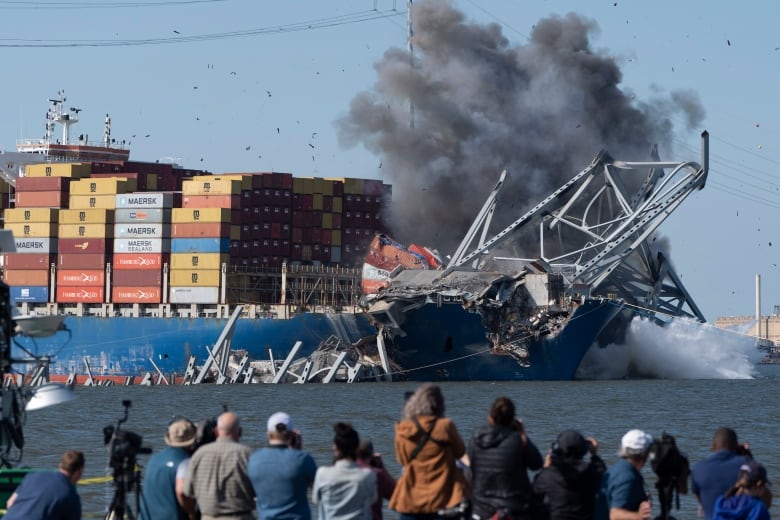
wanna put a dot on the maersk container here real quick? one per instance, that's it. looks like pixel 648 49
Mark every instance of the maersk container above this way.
pixel 194 295
pixel 144 200
pixel 142 230
pixel 36 245
pixel 32 294
pixel 200 245
pixel 142 245
pixel 135 215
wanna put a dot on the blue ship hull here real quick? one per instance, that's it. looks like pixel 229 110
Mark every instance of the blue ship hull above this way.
pixel 125 345
pixel 448 343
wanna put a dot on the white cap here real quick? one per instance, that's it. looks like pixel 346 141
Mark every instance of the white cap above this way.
pixel 279 418
pixel 635 442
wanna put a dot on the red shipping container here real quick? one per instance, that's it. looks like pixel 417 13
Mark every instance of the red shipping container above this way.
pixel 41 199
pixel 85 245
pixel 327 203
pixel 336 220
pixel 297 235
pixel 326 238
pixel 200 230
pixel 136 294
pixel 78 278
pixel 306 235
pixel 307 202
pixel 26 277
pixel 82 261
pixel 80 294
pixel 211 201
pixel 107 167
pixel 146 167
pixel 146 261
pixel 137 278
pixel 316 235
pixel 58 184
pixel 338 189
pixel 27 261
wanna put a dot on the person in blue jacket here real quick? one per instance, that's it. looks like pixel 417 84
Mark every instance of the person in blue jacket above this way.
pixel 749 498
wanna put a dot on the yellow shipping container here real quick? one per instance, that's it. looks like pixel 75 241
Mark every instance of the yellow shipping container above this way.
pixel 198 261
pixel 73 170
pixel 353 186
pixel 246 180
pixel 92 202
pixel 338 205
pixel 327 220
pixel 195 277
pixel 103 186
pixel 13 215
pixel 86 231
pixel 235 232
pixel 323 186
pixel 335 237
pixel 303 185
pixel 188 215
pixel 87 216
pixel 317 202
pixel 210 185
pixel 32 229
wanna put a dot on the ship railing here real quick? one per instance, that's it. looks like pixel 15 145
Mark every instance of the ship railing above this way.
pixel 45 144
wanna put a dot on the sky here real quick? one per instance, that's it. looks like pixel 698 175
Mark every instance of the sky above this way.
pixel 249 85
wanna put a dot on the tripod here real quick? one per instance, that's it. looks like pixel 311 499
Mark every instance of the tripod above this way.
pixel 127 482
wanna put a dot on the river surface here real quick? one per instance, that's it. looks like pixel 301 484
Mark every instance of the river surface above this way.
pixel 691 410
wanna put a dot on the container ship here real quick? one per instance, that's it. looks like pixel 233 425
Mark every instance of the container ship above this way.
pixel 147 262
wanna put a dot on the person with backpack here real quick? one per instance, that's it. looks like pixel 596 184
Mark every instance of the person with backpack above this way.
pixel 568 483
pixel 500 454
pixel 427 446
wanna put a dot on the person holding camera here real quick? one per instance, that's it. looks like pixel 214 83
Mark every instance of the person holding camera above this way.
pixel 385 483
pixel 217 477
pixel 749 498
pixel 500 454
pixel 162 495
pixel 49 494
pixel 713 476
pixel 622 495
pixel 568 484
pixel 281 473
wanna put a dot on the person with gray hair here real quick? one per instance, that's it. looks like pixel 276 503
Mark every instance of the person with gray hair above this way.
pixel 622 494
pixel 427 446
pixel 218 478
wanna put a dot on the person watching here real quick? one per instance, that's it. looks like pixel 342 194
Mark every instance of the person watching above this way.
pixel 714 475
pixel 622 495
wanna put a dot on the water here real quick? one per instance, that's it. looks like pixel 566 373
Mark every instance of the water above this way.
pixel 691 410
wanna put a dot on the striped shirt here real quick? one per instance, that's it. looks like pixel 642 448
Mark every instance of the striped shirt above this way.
pixel 218 480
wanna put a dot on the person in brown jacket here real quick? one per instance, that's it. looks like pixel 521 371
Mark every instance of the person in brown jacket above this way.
pixel 427 446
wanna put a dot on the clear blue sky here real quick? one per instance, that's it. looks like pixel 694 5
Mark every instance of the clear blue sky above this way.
pixel 268 100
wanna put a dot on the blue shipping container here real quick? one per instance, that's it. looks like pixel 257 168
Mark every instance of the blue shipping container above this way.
pixel 200 245
pixel 35 294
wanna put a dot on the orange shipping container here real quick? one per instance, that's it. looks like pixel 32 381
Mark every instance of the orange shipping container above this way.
pixel 212 201
pixel 80 294
pixel 136 295
pixel 137 278
pixel 200 230
pixel 77 278
pixel 41 199
pixel 139 261
pixel 207 185
pixel 81 261
pixel 26 277
pixel 27 261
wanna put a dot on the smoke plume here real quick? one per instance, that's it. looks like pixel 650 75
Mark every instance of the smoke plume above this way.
pixel 541 110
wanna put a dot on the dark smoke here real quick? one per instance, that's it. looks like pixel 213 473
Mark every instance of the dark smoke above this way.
pixel 541 111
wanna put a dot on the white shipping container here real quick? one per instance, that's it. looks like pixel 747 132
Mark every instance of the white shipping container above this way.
pixel 142 245
pixel 133 215
pixel 36 245
pixel 142 230
pixel 144 200
pixel 194 295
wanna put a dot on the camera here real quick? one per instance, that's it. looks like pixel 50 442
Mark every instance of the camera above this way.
pixel 123 445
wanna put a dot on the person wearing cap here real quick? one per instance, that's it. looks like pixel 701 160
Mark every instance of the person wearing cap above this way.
pixel 500 454
pixel 217 477
pixel 622 494
pixel 344 491
pixel 385 483
pixel 49 494
pixel 162 492
pixel 568 483
pixel 749 498
pixel 281 473
pixel 714 475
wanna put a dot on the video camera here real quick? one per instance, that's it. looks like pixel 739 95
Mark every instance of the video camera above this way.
pixel 123 445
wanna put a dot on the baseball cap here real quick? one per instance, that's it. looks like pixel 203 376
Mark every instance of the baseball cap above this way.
pixel 754 472
pixel 277 419
pixel 571 444
pixel 635 442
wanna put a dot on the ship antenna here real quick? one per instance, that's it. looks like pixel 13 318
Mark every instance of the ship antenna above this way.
pixel 107 132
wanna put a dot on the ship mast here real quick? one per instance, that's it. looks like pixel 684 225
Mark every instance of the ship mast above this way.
pixel 57 114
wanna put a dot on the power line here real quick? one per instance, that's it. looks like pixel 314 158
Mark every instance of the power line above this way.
pixel 25 5
pixel 321 23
